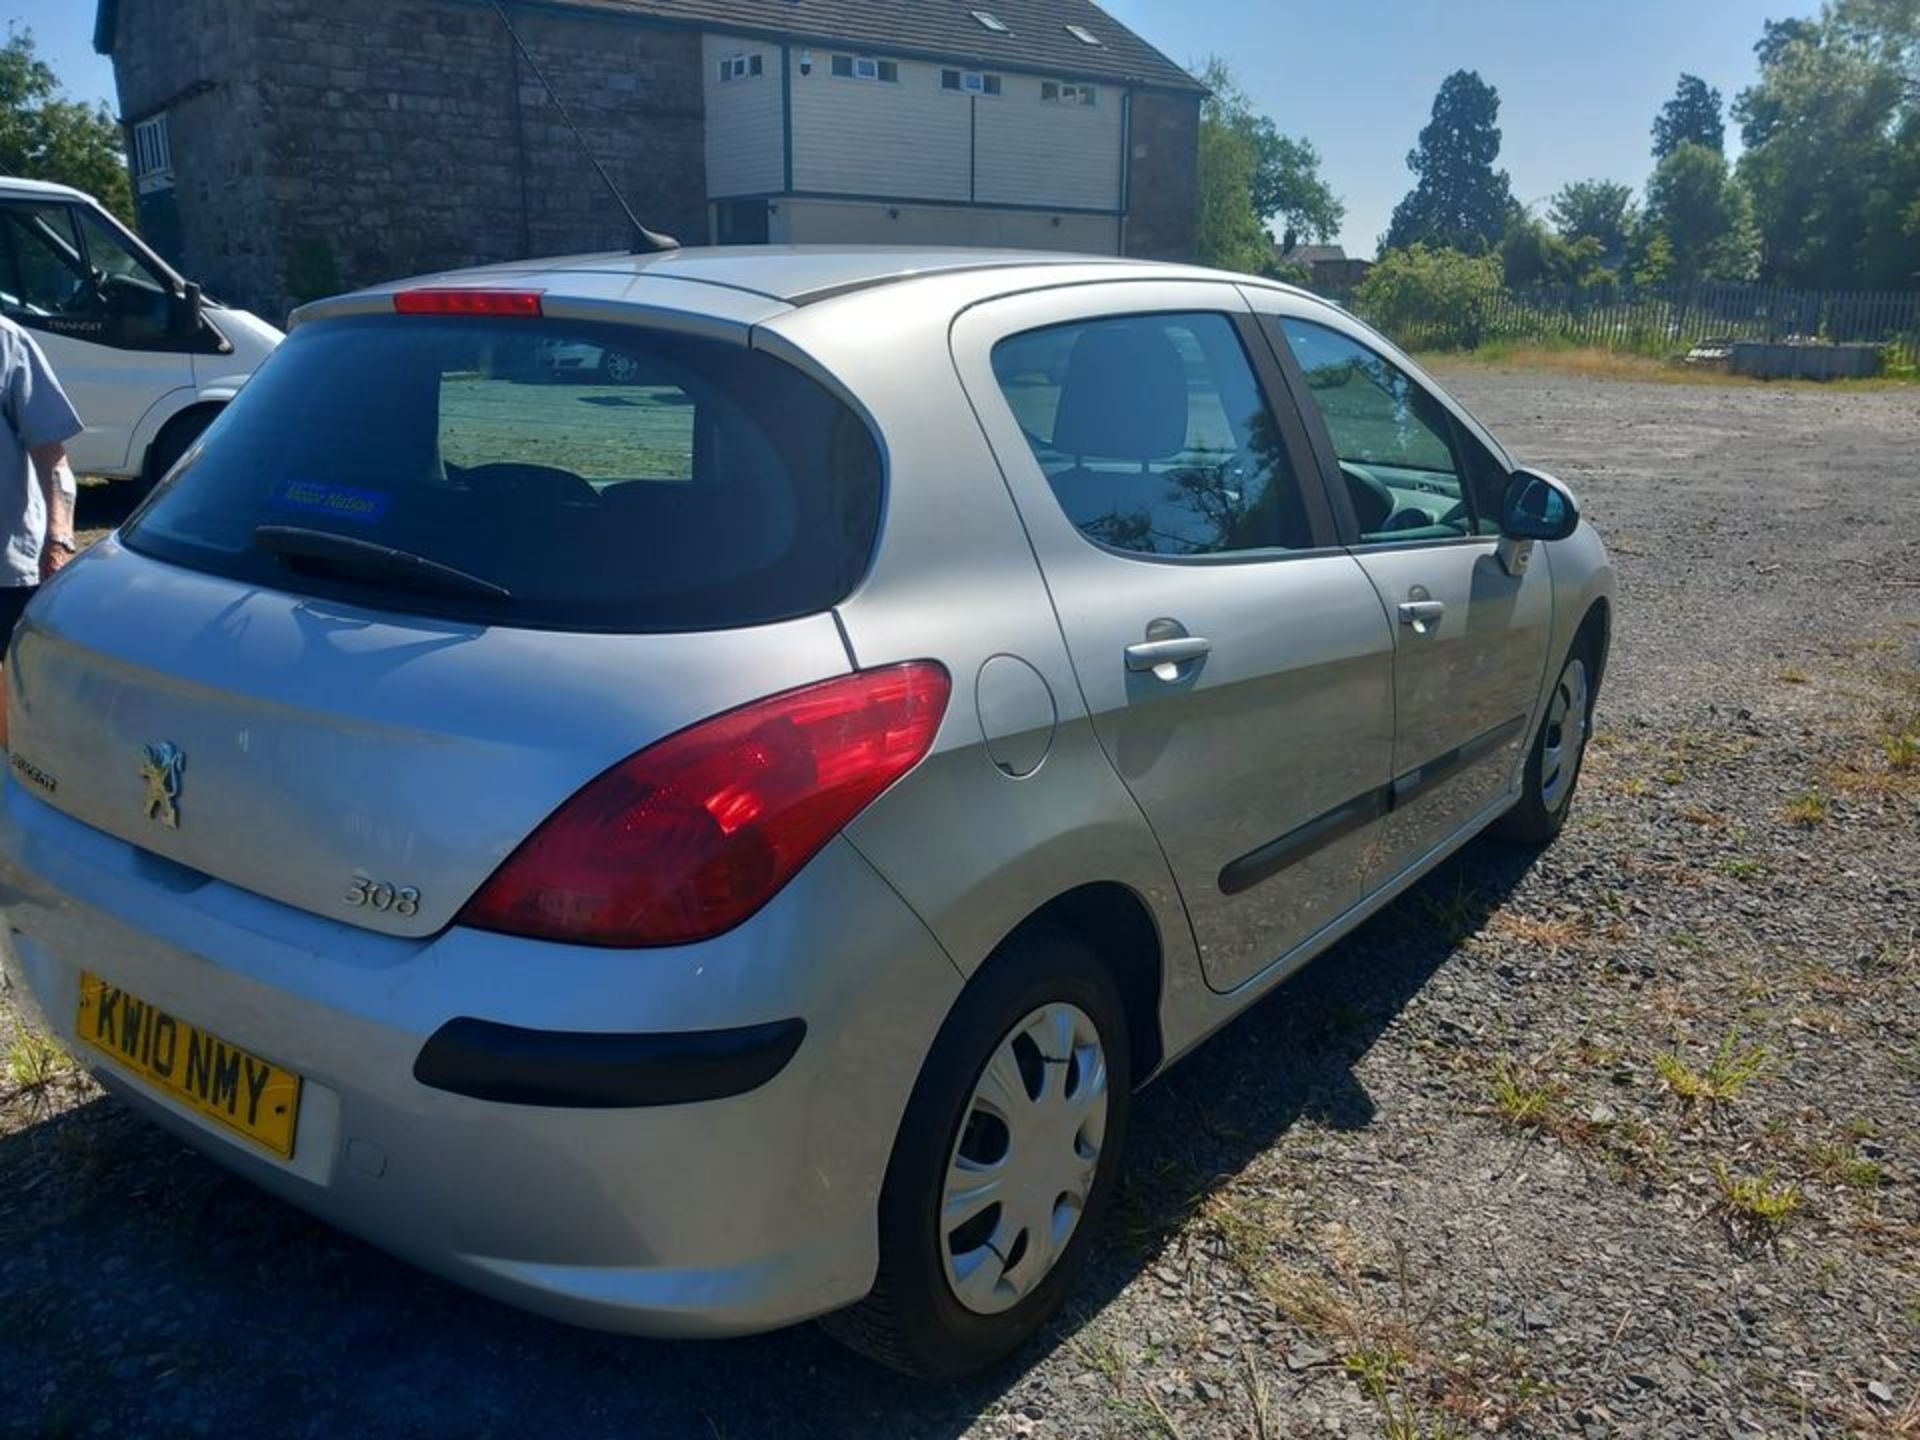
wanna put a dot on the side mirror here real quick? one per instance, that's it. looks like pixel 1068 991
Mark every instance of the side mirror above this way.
pixel 1537 507
pixel 186 310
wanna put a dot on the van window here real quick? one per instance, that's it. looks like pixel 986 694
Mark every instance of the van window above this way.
pixel 602 477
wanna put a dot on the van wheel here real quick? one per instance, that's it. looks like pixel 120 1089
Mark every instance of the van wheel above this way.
pixel 173 442
pixel 1553 764
pixel 1005 1162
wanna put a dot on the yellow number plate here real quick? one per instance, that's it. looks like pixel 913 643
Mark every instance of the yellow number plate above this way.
pixel 203 1072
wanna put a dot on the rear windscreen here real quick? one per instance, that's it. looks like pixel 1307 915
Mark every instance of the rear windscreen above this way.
pixel 565 475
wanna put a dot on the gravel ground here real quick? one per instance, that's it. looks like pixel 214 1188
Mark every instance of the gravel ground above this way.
pixel 1617 1140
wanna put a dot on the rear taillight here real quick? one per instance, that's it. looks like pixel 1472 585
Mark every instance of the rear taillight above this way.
pixel 455 300
pixel 695 833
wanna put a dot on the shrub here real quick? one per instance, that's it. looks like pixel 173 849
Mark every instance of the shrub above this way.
pixel 1430 299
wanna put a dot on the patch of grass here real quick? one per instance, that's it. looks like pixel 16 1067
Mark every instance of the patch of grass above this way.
pixel 35 1060
pixel 1720 1082
pixel 1754 1208
pixel 1840 1167
pixel 1551 934
pixel 1902 749
pixel 1457 915
pixel 1742 869
pixel 1807 810
pixel 1522 1099
pixel 1793 675
pixel 1595 363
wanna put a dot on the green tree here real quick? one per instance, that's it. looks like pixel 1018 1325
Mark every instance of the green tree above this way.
pixel 1533 254
pixel 1459 200
pixel 1831 130
pixel 1691 117
pixel 46 136
pixel 1243 150
pixel 1438 299
pixel 1602 210
pixel 1704 215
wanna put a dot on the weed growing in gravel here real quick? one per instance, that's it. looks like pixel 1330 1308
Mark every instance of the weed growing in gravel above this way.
pixel 1455 916
pixel 1523 1099
pixel 1793 675
pixel 1742 869
pixel 1807 810
pixel 1902 749
pixel 1838 1165
pixel 1754 1208
pixel 34 1061
pixel 1720 1083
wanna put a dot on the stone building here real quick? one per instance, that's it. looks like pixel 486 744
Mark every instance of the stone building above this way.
pixel 284 149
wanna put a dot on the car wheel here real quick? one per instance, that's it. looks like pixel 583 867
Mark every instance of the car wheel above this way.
pixel 618 369
pixel 1005 1162
pixel 1553 764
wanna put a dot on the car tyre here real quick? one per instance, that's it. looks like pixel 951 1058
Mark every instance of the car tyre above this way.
pixel 1559 748
pixel 953 1296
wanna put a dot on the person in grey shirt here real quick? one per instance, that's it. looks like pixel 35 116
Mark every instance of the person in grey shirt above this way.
pixel 36 483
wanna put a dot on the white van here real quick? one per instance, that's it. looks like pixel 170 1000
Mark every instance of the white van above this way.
pixel 147 360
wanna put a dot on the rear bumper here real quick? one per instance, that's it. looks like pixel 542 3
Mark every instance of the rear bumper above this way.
pixel 573 1177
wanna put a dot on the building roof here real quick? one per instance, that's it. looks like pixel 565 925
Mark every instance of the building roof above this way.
pixel 1035 37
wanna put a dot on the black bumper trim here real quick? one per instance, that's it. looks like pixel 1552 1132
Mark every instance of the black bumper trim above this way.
pixel 581 1070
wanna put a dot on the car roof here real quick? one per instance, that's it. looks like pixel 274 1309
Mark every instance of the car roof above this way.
pixel 795 274
pixel 16 185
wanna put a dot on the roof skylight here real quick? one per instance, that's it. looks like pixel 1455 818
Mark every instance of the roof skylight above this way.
pixel 1084 35
pixel 987 20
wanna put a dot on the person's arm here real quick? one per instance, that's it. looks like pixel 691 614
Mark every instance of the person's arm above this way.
pixel 57 484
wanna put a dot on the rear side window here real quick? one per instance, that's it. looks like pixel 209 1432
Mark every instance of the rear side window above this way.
pixel 1153 433
pixel 534 473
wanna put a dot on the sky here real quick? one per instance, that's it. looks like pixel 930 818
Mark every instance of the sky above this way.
pixel 1579 81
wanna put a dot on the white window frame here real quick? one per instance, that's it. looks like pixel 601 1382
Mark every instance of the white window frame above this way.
pixel 971 82
pixel 864 67
pixel 152 157
pixel 1072 93
pixel 742 67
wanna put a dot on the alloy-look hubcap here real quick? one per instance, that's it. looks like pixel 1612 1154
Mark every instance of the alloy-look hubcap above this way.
pixel 1566 734
pixel 1023 1165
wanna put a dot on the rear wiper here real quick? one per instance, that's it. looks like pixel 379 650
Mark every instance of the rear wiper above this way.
pixel 349 555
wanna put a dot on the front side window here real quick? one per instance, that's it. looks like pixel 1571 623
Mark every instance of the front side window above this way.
pixel 971 82
pixel 1060 92
pixel 66 270
pixel 865 67
pixel 137 301
pixel 1154 436
pixel 549 474
pixel 1400 462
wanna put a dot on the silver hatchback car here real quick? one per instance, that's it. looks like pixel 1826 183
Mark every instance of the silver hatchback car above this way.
pixel 697 853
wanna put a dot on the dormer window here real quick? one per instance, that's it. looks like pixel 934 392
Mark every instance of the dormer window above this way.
pixel 1084 36
pixel 987 20
pixel 1064 92
pixel 970 82
pixel 741 67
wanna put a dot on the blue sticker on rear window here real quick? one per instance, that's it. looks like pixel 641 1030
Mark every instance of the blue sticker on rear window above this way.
pixel 342 502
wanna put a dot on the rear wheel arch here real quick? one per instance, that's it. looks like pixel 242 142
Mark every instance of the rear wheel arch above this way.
pixel 1115 924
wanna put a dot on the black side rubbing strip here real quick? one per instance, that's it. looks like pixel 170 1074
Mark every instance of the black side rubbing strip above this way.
pixel 592 1071
pixel 1297 844
pixel 1445 766
pixel 1321 831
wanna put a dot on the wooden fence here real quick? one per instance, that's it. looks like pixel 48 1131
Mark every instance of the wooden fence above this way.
pixel 1665 319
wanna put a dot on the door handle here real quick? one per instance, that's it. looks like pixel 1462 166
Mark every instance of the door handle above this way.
pixel 1422 615
pixel 1155 654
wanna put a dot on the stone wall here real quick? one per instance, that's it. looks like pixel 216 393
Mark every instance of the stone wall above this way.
pixel 1163 141
pixel 384 138
pixel 194 59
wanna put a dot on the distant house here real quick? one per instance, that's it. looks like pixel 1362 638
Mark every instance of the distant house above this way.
pixel 1329 265
pixel 283 148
